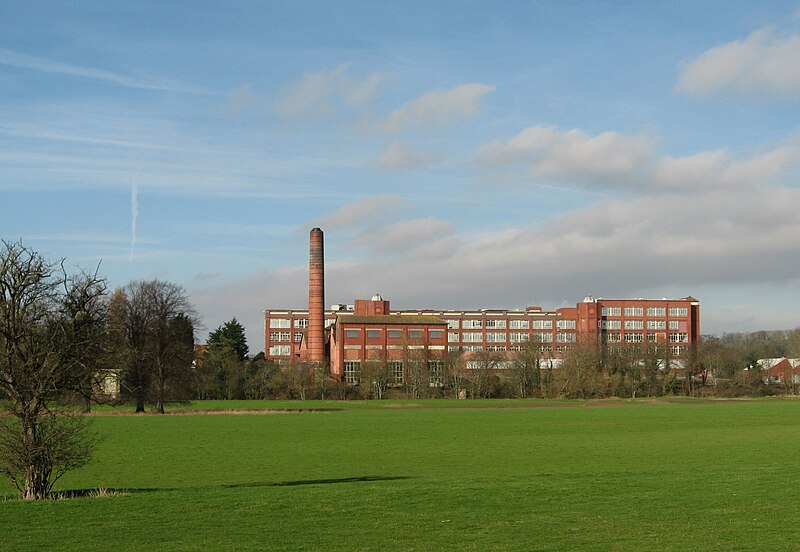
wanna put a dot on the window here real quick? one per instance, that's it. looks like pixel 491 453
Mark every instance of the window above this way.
pixel 656 311
pixel 352 372
pixel 518 337
pixel 496 324
pixel 680 312
pixel 472 324
pixel 415 334
pixel 518 324
pixel 634 324
pixel 394 334
pixel 652 337
pixel 280 350
pixel 634 338
pixel 656 324
pixel 612 324
pixel 452 324
pixel 301 322
pixel 472 348
pixel 565 324
pixel 373 334
pixel 542 324
pixel 613 337
pixel 436 372
pixel 678 338
pixel 495 337
pixel 279 336
pixel 352 333
pixel 396 371
pixel 435 334
pixel 298 337
pixel 495 347
pixel 565 337
pixel 634 311
pixel 452 337
pixel 611 311
pixel 673 325
pixel 472 337
pixel 542 337
pixel 279 323
pixel 676 350
pixel 545 348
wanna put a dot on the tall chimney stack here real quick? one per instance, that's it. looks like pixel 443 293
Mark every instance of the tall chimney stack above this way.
pixel 316 298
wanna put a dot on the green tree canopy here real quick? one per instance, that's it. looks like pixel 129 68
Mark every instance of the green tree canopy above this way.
pixel 229 335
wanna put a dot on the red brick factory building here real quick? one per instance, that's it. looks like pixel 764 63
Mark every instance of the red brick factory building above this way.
pixel 349 335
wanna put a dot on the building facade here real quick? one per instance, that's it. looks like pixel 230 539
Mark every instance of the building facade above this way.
pixel 348 336
pixel 355 334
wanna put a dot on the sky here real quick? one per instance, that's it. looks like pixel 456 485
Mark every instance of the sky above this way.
pixel 457 155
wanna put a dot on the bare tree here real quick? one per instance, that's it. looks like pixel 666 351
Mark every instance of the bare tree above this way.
pixel 377 374
pixel 156 324
pixel 481 366
pixel 45 351
pixel 581 371
pixel 526 371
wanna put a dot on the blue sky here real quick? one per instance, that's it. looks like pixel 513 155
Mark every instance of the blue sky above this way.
pixel 457 154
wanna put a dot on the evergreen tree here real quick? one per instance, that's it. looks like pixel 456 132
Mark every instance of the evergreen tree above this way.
pixel 229 335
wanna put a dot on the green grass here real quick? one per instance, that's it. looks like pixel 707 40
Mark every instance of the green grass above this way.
pixel 432 475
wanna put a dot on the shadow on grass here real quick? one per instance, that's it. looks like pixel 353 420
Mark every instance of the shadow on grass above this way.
pixel 106 492
pixel 296 483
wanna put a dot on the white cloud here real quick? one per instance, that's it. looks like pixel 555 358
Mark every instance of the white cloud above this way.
pixel 321 94
pixel 361 212
pixel 715 169
pixel 614 161
pixel 652 245
pixel 404 236
pixel 762 64
pixel 399 156
pixel 437 109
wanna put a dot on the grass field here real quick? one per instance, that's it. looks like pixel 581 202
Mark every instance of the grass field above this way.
pixel 434 475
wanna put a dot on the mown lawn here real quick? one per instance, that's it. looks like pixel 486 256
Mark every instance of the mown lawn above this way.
pixel 432 475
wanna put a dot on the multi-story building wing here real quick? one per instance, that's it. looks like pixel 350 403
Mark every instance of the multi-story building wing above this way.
pixel 368 330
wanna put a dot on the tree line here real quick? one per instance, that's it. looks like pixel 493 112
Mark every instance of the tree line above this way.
pixel 64 340
pixel 66 344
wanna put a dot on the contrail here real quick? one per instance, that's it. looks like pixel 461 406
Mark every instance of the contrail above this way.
pixel 134 215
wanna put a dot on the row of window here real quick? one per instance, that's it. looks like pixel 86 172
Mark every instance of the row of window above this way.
pixel 674 350
pixel 352 371
pixel 501 324
pixel 638 337
pixel 676 312
pixel 300 323
pixel 355 333
pixel 513 337
pixel 639 324
pixel 297 337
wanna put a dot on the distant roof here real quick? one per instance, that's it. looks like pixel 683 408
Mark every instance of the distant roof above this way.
pixel 390 319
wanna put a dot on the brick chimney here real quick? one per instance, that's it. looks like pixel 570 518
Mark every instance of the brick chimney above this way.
pixel 316 298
